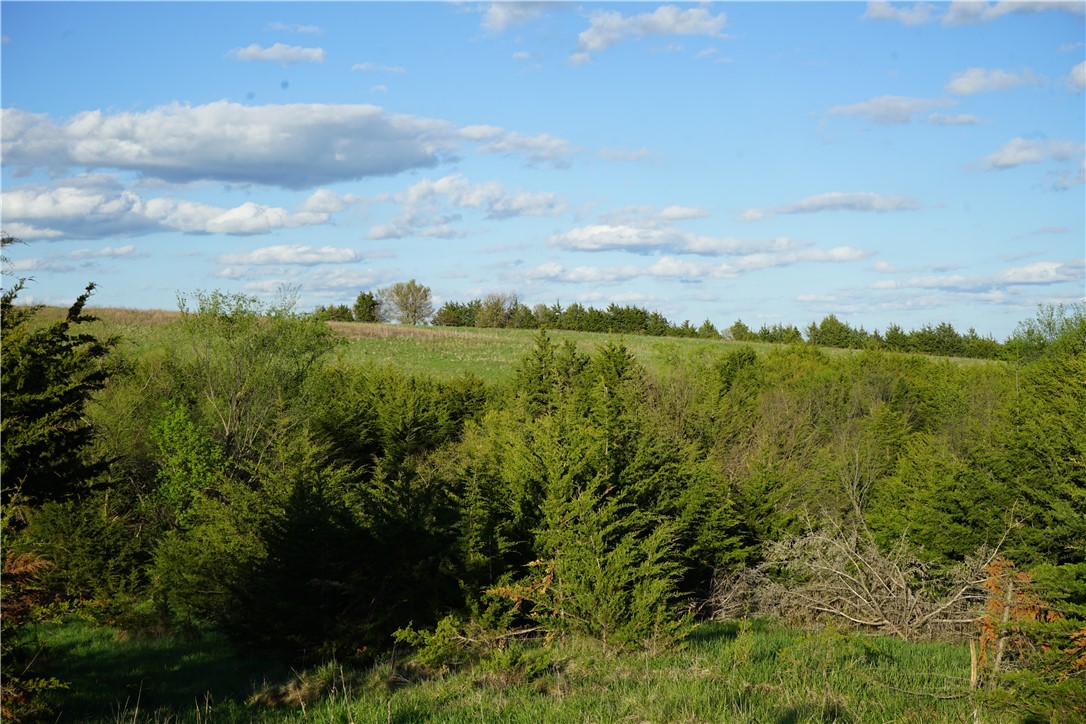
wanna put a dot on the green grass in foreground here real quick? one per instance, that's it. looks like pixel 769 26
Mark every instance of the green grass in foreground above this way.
pixel 729 673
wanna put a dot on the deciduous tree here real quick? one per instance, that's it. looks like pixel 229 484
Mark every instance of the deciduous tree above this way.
pixel 407 302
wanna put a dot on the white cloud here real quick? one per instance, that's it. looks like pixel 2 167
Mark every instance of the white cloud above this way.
pixel 500 16
pixel 886 110
pixel 422 212
pixel 522 55
pixel 1077 78
pixel 670 267
pixel 292 254
pixel 539 148
pixel 917 14
pixel 623 154
pixel 94 206
pixel 981 80
pixel 1020 151
pixel 326 201
pixel 970 12
pixel 374 67
pixel 379 88
pixel 106 252
pixel 82 258
pixel 1041 273
pixel 609 27
pixel 295 28
pixel 676 213
pixel 279 53
pixel 481 132
pixel 963 119
pixel 290 145
pixel 652 237
pixel 835 201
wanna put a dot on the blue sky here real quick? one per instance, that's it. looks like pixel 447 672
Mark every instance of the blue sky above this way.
pixel 775 162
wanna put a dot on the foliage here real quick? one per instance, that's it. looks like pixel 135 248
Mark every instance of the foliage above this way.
pixel 190 465
pixel 94 550
pixel 1031 656
pixel 309 505
pixel 1055 328
pixel 333 313
pixel 497 310
pixel 50 372
pixel 241 365
pixel 24 598
pixel 367 307
pixel 406 302
pixel 455 314
pixel 832 332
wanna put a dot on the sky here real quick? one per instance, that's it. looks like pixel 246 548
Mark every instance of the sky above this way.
pixel 908 163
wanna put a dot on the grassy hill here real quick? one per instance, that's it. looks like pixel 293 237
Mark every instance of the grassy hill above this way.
pixel 447 351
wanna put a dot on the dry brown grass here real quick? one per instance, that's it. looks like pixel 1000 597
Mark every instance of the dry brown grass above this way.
pixel 124 316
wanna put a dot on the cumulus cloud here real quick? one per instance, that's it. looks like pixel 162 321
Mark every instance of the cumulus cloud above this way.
pixel 963 12
pixel 963 119
pixel 290 145
pixel 1077 77
pixel 981 80
pixel 676 213
pixel 292 254
pixel 971 12
pixel 917 14
pixel 279 53
pixel 1041 273
pixel 94 206
pixel 295 28
pixel 666 267
pixel 648 237
pixel 481 132
pixel 326 201
pixel 80 258
pixel 671 267
pixel 1020 151
pixel 835 201
pixel 541 148
pixel 607 28
pixel 423 206
pixel 500 16
pixel 886 110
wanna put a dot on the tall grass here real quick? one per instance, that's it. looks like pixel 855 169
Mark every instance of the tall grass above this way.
pixel 749 672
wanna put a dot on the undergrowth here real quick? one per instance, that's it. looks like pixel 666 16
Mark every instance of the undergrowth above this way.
pixel 751 671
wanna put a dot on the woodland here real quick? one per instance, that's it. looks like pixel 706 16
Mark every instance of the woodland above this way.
pixel 231 472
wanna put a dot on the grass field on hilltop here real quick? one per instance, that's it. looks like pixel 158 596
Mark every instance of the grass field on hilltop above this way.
pixel 493 353
pixel 443 351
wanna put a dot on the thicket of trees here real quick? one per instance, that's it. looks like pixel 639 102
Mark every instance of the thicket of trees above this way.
pixel 233 477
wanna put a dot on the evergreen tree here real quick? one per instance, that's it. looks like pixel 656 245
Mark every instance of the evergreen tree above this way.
pixel 367 308
pixel 50 372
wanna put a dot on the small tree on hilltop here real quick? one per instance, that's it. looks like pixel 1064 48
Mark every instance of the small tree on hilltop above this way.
pixel 407 302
